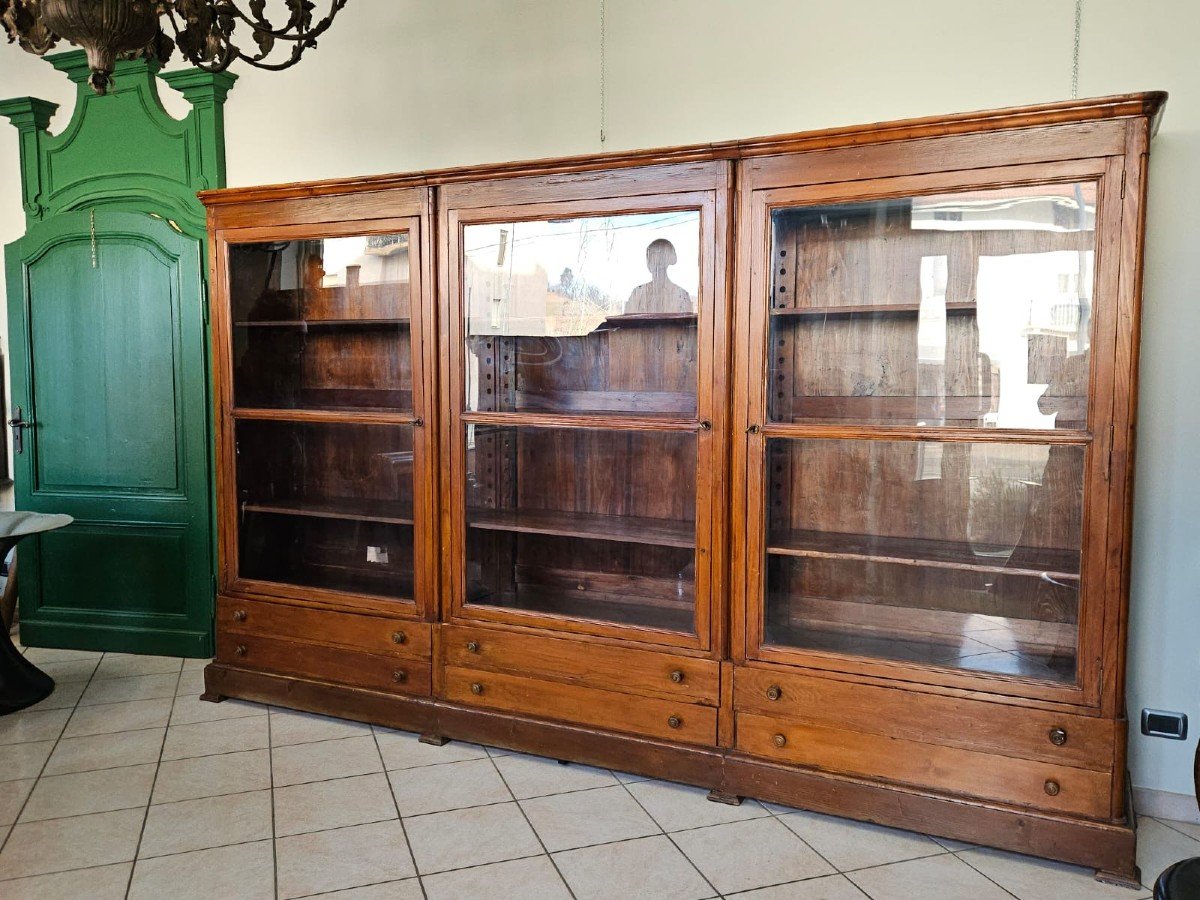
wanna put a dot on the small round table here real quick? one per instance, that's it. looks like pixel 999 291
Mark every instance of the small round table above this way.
pixel 22 683
pixel 1182 880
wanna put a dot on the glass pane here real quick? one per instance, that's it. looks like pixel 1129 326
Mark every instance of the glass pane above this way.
pixel 587 315
pixel 587 523
pixel 968 309
pixel 950 554
pixel 327 505
pixel 322 324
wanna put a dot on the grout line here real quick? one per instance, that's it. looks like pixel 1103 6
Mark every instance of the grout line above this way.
pixel 985 875
pixel 691 862
pixel 525 816
pixel 396 805
pixel 1169 823
pixel 274 828
pixel 153 783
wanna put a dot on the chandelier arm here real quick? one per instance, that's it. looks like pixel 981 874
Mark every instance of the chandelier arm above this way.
pixel 284 33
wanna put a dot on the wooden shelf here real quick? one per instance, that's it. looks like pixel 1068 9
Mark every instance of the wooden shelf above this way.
pixel 651 318
pixel 1035 562
pixel 875 309
pixel 324 323
pixel 621 529
pixel 387 511
pixel 643 612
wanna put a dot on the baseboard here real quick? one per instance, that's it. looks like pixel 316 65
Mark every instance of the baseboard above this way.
pixel 1166 805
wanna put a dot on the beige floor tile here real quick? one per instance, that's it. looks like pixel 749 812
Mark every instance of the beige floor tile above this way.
pixel 452 786
pixel 408 889
pixel 124 665
pixel 629 778
pixel 1159 846
pixel 212 776
pixel 739 856
pixel 321 805
pixel 520 879
pixel 536 776
pixel 830 887
pixel 81 793
pixel 39 655
pixel 646 867
pixel 470 837
pixel 70 672
pixel 241 872
pixel 678 806
pixel 950 843
pixel 18 761
pixel 944 877
pixel 138 687
pixel 196 664
pixel 13 795
pixel 33 725
pixel 210 738
pixel 403 750
pixel 567 821
pixel 64 696
pixel 191 683
pixel 101 883
pixel 36 848
pixel 203 824
pixel 190 710
pixel 1039 879
pixel 856 845
pixel 342 858
pixel 289 727
pixel 112 717
pixel 105 751
pixel 321 761
pixel 1191 829
pixel 498 751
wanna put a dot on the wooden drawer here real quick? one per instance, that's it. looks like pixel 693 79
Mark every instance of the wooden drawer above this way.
pixel 371 634
pixel 378 671
pixel 1018 731
pixel 641 672
pixel 949 770
pixel 670 720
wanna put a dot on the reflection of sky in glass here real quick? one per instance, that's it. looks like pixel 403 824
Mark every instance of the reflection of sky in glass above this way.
pixel 606 254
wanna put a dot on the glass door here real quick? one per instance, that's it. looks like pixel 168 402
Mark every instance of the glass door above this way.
pixel 326 384
pixel 921 452
pixel 582 429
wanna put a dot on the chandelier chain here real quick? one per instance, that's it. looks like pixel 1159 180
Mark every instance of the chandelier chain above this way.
pixel 603 69
pixel 92 232
pixel 1075 50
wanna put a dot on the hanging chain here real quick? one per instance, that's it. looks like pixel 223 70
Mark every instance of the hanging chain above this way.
pixel 1075 52
pixel 92 229
pixel 603 68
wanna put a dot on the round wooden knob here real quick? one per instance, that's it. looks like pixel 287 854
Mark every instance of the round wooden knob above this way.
pixel 239 615
pixel 779 740
pixel 677 676
pixel 1058 736
pixel 472 646
pixel 239 650
pixel 1052 787
pixel 476 688
pixel 674 721
pixel 399 637
pixel 399 676
pixel 774 692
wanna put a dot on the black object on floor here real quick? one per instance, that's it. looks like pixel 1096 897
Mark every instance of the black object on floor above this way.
pixel 1179 882
pixel 22 683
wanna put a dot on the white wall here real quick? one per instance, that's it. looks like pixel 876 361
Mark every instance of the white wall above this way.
pixel 407 84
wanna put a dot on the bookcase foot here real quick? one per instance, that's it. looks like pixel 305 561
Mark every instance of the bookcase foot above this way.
pixel 434 740
pixel 723 797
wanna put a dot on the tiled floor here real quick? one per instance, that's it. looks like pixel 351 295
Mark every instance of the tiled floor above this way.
pixel 124 784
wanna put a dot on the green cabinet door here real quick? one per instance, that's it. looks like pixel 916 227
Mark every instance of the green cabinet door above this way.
pixel 108 338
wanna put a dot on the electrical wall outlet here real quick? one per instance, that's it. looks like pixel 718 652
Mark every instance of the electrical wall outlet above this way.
pixel 1160 723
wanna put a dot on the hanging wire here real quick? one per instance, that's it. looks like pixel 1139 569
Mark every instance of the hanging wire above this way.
pixel 92 230
pixel 1075 52
pixel 603 68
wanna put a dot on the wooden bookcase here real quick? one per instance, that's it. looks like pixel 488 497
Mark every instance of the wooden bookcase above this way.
pixel 796 468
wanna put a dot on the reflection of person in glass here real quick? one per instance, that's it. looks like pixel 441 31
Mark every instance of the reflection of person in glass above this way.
pixel 660 294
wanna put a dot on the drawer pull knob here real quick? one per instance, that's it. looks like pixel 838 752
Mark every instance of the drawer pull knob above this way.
pixel 677 676
pixel 675 721
pixel 1052 787
pixel 399 676
pixel 472 646
pixel 774 692
pixel 239 650
pixel 476 687
pixel 399 637
pixel 239 615
pixel 779 740
pixel 1058 736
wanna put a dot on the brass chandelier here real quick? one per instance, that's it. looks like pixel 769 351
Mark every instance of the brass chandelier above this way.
pixel 202 30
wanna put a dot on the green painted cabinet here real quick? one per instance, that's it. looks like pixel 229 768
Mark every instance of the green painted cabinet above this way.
pixel 108 343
